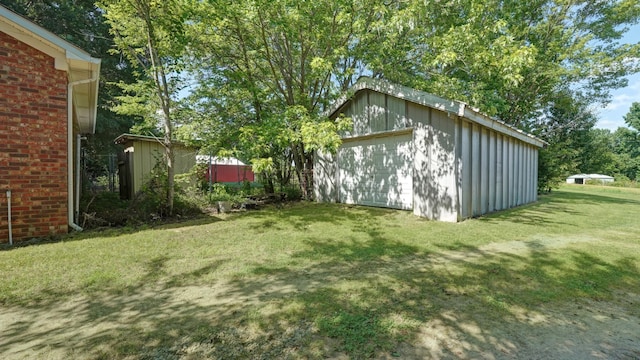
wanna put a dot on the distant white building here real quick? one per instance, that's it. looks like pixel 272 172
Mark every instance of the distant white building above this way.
pixel 583 178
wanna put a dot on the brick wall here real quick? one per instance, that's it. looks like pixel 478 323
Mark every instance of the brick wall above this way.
pixel 33 141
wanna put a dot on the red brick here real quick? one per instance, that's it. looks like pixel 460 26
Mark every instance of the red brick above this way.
pixel 33 122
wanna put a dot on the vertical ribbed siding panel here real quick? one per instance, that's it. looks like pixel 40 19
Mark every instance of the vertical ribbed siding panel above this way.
pixel 517 185
pixel 484 170
pixel 377 109
pixel 397 116
pixel 525 168
pixel 467 190
pixel 532 165
pixel 492 171
pixel 529 174
pixel 535 175
pixel 458 166
pixel 359 114
pixel 505 172
pixel 521 164
pixel 516 180
pixel 526 176
pixel 475 170
pixel 520 183
pixel 512 201
pixel 499 175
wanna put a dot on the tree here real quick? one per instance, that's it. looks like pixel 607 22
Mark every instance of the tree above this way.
pixel 511 58
pixel 627 144
pixel 151 34
pixel 269 70
pixel 569 134
pixel 597 154
pixel 633 116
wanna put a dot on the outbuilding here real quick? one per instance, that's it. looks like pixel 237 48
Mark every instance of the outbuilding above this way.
pixel 412 150
pixel 48 101
pixel 141 154
pixel 583 178
pixel 226 169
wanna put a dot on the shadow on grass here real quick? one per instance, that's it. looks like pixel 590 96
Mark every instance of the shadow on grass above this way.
pixel 371 296
pixel 544 212
pixel 108 232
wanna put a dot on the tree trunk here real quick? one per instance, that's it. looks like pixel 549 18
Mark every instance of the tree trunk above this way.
pixel 168 147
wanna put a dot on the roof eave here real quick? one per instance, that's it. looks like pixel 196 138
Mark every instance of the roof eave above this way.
pixel 81 67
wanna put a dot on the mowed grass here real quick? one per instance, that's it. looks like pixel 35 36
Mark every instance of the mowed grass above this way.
pixel 311 280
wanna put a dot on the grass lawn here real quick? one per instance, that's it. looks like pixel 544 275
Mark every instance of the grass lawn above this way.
pixel 313 280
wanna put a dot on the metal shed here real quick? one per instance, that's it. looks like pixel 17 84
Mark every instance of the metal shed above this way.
pixel 140 156
pixel 416 151
pixel 226 169
pixel 583 178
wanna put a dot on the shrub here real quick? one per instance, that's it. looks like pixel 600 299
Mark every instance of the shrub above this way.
pixel 292 192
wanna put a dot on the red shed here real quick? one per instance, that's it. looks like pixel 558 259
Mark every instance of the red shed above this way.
pixel 223 170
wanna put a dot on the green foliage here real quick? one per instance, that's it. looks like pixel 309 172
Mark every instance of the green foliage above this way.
pixel 508 58
pixel 270 69
pixel 265 71
pixel 292 193
pixel 152 36
pixel 623 181
pixel 568 132
pixel 103 209
pixel 633 116
pixel 221 192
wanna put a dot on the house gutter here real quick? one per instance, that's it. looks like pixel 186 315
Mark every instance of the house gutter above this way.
pixel 70 165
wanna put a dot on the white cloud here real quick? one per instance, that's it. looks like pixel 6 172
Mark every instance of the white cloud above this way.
pixel 619 101
pixel 612 116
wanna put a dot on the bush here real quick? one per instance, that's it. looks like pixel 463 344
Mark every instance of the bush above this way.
pixel 623 181
pixel 103 209
pixel 292 192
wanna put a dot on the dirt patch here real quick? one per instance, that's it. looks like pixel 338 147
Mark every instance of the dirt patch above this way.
pixel 592 330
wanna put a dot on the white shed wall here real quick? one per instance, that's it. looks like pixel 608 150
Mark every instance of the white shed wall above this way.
pixel 325 177
pixel 497 171
pixel 459 168
pixel 435 188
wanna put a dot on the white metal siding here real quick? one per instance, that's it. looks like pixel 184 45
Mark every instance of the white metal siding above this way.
pixel 435 164
pixel 475 170
pixel 324 175
pixel 377 112
pixel 450 166
pixel 397 113
pixel 492 171
pixel 377 172
pixel 466 209
pixel 497 171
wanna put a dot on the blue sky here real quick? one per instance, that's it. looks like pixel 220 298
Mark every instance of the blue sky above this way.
pixel 611 116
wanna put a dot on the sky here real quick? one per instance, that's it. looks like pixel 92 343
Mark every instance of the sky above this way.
pixel 611 117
